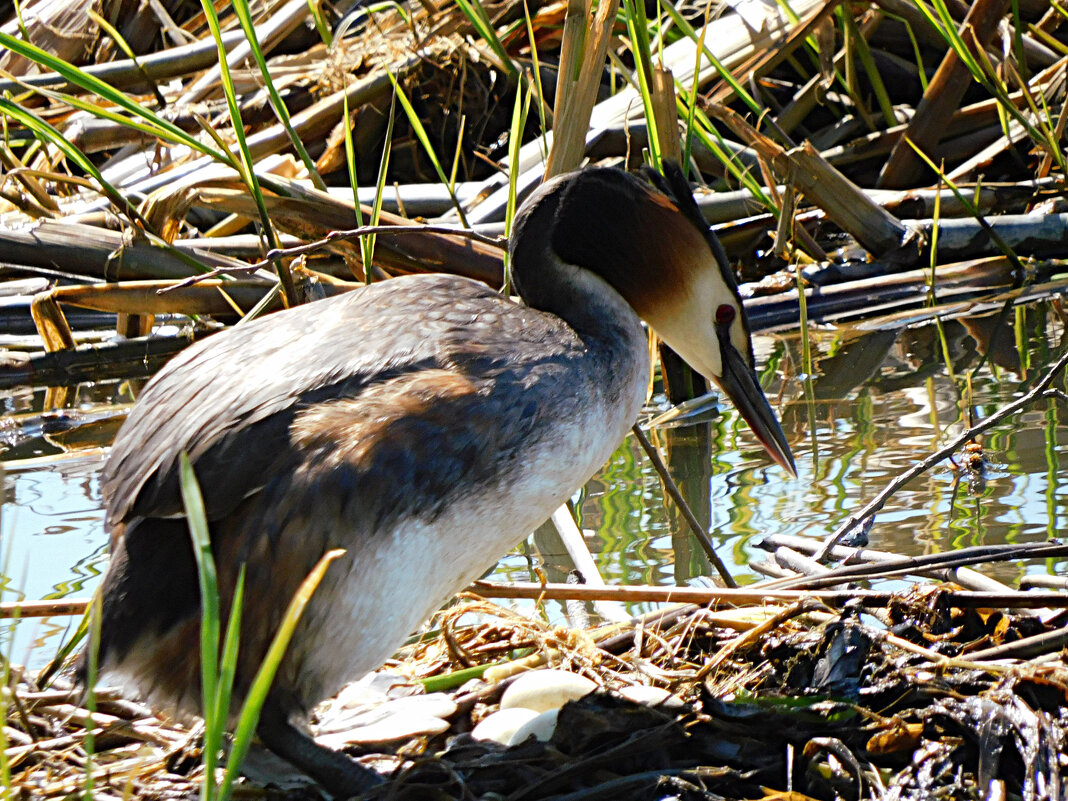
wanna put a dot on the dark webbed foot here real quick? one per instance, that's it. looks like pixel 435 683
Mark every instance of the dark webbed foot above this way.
pixel 338 774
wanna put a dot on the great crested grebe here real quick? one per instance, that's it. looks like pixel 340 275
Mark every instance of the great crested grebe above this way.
pixel 425 424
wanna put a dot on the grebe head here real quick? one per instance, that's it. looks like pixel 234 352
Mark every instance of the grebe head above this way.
pixel 649 242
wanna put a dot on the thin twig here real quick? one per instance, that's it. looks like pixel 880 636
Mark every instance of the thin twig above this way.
pixel 733 597
pixel 329 239
pixel 213 273
pixel 962 557
pixel 676 496
pixel 20 609
pixel 365 230
pixel 877 503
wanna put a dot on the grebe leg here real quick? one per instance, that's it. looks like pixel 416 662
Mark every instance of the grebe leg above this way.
pixel 339 774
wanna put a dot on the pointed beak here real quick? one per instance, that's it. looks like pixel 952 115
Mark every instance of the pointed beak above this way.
pixel 740 383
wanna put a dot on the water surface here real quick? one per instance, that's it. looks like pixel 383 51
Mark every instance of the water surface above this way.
pixel 878 401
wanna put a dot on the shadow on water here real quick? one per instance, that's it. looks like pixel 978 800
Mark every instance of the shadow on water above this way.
pixel 882 398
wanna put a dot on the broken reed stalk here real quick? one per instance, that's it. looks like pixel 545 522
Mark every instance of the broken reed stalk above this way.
pixel 724 597
pixel 911 564
pixel 644 593
pixel 684 508
pixel 877 503
pixel 583 53
pixel 331 238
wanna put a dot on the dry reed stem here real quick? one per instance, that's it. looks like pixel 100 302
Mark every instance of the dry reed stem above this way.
pixel 943 95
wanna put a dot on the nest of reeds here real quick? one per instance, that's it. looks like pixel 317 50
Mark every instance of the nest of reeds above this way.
pixel 908 700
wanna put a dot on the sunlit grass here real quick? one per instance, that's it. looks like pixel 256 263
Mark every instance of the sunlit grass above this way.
pixel 1042 130
pixel 244 17
pixel 218 672
pixel 142 119
pixel 246 166
pixel 424 139
pixel 367 242
pixel 638 29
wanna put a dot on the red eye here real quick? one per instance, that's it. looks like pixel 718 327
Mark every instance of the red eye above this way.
pixel 725 314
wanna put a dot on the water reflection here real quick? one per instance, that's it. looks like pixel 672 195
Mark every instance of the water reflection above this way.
pixel 879 400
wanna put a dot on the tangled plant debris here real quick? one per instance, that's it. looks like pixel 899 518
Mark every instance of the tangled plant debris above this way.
pixel 891 702
pixel 920 124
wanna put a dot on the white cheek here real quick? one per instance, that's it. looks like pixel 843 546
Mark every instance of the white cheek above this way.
pixel 688 326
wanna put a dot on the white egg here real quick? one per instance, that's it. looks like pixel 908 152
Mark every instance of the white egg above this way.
pixel 651 696
pixel 542 690
pixel 540 727
pixel 501 726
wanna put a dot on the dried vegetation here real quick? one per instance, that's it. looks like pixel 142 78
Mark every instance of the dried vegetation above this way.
pixel 889 154
pixel 912 700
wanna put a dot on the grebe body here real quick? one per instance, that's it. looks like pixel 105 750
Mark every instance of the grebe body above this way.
pixel 425 425
pixel 426 466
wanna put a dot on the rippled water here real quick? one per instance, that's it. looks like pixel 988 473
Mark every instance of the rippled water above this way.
pixel 879 401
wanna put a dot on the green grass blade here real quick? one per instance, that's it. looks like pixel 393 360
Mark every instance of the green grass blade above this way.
pixel 350 164
pixel 368 242
pixel 249 173
pixel 973 210
pixel 637 27
pixel 228 662
pixel 936 226
pixel 983 73
pixel 476 15
pixel 5 764
pixel 165 130
pixel 111 31
pixel 459 149
pixel 55 664
pixel 860 45
pixel 21 21
pixel 691 103
pixel 1018 27
pixel 537 89
pixel 1045 38
pixel 515 135
pixel 101 112
pixel 710 137
pixel 262 305
pixel 91 675
pixel 424 140
pixel 244 17
pixel 921 71
pixel 45 132
pixel 261 685
pixel 193 502
pixel 515 142
pixel 315 7
pixel 699 39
